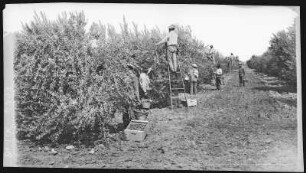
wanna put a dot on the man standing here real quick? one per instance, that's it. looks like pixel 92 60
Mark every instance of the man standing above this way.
pixel 218 76
pixel 194 74
pixel 171 43
pixel 230 62
pixel 241 75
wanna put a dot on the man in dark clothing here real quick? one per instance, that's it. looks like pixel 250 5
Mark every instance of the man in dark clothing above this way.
pixel 241 75
pixel 134 92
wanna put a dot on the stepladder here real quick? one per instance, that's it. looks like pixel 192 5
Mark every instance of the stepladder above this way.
pixel 176 86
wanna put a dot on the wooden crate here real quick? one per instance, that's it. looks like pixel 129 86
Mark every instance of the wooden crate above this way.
pixel 136 135
pixel 191 102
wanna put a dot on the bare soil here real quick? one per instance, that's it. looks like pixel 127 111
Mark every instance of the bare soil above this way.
pixel 251 128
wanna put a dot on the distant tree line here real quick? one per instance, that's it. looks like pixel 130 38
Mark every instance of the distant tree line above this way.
pixel 280 58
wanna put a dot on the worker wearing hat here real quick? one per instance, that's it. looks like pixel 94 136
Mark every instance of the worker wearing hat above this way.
pixel 218 73
pixel 241 75
pixel 230 61
pixel 171 42
pixel 194 74
pixel 211 54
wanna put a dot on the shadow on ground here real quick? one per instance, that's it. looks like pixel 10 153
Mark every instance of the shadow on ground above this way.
pixel 281 89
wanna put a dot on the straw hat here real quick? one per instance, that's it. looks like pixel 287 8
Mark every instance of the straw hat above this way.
pixel 171 27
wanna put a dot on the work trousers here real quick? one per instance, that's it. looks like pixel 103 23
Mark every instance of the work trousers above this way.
pixel 241 81
pixel 172 59
pixel 187 87
pixel 218 82
pixel 193 87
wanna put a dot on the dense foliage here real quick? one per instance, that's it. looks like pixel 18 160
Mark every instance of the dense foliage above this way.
pixel 70 83
pixel 280 59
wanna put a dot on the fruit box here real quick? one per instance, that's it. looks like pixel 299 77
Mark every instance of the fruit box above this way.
pixel 191 102
pixel 136 130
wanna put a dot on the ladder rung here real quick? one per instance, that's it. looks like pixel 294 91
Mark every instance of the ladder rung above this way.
pixel 160 80
pixel 176 80
pixel 175 97
pixel 177 88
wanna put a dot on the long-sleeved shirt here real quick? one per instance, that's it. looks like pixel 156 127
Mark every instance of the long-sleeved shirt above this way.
pixel 194 74
pixel 219 72
pixel 170 39
pixel 144 81
pixel 241 72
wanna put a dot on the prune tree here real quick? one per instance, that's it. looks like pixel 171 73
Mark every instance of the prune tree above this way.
pixel 69 82
pixel 280 59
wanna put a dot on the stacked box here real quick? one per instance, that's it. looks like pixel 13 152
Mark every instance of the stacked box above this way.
pixel 137 130
pixel 191 102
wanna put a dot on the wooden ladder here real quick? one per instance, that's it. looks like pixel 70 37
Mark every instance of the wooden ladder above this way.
pixel 178 81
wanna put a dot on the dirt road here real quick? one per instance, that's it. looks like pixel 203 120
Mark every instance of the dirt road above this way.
pixel 250 128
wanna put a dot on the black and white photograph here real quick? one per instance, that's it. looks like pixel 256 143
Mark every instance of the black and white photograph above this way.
pixel 128 86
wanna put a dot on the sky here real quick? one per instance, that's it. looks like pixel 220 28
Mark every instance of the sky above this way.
pixel 241 30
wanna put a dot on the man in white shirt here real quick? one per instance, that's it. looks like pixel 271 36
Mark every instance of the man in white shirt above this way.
pixel 144 80
pixel 218 76
pixel 171 41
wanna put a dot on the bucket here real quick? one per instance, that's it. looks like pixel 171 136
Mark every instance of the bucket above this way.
pixel 141 114
pixel 146 103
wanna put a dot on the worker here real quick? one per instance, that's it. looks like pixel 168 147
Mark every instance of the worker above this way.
pixel 230 62
pixel 134 92
pixel 241 75
pixel 133 78
pixel 187 83
pixel 144 80
pixel 171 44
pixel 211 54
pixel 194 74
pixel 218 76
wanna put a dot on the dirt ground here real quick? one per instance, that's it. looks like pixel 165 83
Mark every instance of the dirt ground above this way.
pixel 251 128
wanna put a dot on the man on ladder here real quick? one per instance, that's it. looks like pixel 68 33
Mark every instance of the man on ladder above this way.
pixel 211 56
pixel 171 43
pixel 172 49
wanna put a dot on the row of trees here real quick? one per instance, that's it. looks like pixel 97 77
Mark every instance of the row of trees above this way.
pixel 70 83
pixel 280 58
